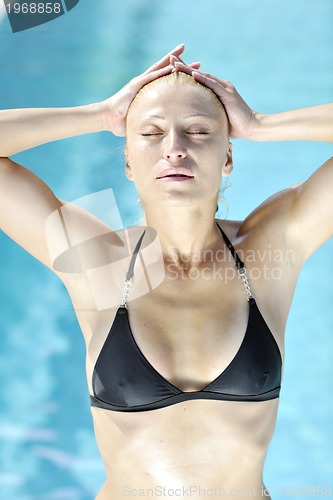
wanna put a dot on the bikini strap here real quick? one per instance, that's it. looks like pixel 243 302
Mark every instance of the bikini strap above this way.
pixel 239 264
pixel 130 272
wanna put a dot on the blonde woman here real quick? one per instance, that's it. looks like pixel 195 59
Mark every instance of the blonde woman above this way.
pixel 184 377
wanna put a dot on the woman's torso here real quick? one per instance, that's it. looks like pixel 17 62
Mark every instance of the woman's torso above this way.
pixel 190 328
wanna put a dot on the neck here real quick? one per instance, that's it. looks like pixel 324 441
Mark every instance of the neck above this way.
pixel 184 233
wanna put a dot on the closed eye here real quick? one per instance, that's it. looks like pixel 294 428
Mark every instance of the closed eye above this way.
pixel 198 133
pixel 149 135
pixel 152 134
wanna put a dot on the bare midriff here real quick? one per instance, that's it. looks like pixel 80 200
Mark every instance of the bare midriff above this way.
pixel 193 449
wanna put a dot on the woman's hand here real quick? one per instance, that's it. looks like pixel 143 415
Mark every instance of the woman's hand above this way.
pixel 242 119
pixel 116 107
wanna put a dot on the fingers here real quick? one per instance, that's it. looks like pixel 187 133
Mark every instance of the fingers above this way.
pixel 155 72
pixel 207 79
pixel 202 77
pixel 152 75
pixel 165 61
pixel 174 60
pixel 180 66
pixel 195 65
pixel 166 65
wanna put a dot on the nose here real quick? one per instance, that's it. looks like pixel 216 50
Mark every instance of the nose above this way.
pixel 174 149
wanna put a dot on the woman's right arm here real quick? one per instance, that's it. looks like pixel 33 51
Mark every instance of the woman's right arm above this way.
pixel 22 129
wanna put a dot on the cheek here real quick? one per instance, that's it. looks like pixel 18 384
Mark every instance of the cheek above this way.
pixel 140 156
pixel 218 156
pixel 133 160
pixel 137 167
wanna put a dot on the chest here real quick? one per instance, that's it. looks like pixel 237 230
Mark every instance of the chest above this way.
pixel 189 328
pixel 189 332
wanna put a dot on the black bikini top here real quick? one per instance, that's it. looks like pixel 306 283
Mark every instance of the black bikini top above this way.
pixel 124 380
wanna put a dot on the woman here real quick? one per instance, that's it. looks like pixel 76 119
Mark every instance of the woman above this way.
pixel 184 376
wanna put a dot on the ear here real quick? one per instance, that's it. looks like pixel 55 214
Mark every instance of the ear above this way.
pixel 228 166
pixel 128 170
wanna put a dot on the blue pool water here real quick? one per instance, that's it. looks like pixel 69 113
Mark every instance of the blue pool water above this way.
pixel 279 55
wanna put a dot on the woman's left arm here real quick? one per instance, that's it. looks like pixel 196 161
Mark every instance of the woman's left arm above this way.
pixel 310 204
pixel 307 124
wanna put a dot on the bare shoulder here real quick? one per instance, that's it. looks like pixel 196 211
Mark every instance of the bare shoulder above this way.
pixel 63 236
pixel 25 203
pixel 291 215
pixel 268 221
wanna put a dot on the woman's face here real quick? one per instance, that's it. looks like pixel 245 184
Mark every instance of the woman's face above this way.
pixel 177 145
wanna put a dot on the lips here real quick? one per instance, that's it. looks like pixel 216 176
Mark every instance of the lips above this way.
pixel 179 173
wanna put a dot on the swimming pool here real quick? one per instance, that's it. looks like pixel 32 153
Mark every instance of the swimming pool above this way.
pixel 279 56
